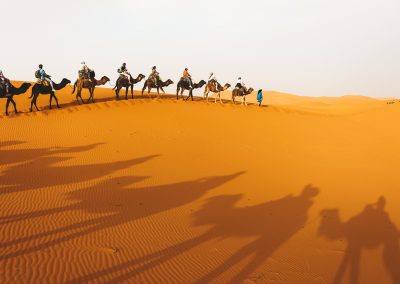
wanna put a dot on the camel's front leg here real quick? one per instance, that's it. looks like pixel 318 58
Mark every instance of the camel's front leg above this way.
pixel 32 102
pixel 35 102
pixel 126 93
pixel 79 96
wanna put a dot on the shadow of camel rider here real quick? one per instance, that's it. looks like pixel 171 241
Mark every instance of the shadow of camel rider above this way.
pixel 367 230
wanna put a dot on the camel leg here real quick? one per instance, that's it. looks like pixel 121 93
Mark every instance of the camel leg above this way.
pixel 32 103
pixel 219 96
pixel 144 88
pixel 7 104
pixel 177 92
pixel 14 104
pixel 117 93
pixel 126 94
pixel 91 91
pixel 35 103
pixel 55 98
pixel 51 98
pixel 132 90
pixel 158 93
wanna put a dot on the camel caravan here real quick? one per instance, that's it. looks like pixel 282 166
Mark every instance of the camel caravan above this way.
pixel 87 80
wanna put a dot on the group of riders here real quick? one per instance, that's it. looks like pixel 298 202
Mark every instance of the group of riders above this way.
pixel 84 73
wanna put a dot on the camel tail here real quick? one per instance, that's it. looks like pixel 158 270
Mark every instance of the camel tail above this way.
pixel 144 87
pixel 73 91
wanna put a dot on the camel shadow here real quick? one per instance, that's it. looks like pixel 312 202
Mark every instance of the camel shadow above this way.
pixel 117 201
pixel 367 230
pixel 46 169
pixel 271 223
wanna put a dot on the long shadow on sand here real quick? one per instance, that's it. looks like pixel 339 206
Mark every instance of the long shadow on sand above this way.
pixel 272 223
pixel 367 230
pixel 118 201
pixel 30 169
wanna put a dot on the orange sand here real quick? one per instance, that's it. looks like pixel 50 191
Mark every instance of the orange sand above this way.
pixel 159 190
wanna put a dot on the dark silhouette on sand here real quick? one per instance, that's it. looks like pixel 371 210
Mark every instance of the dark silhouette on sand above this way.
pixel 272 223
pixel 367 230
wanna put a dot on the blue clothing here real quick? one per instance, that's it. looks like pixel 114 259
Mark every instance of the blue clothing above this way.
pixel 42 74
pixel 259 97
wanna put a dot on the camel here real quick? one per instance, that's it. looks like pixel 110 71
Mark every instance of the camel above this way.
pixel 13 92
pixel 241 93
pixel 149 84
pixel 46 90
pixel 184 85
pixel 83 83
pixel 123 82
pixel 217 90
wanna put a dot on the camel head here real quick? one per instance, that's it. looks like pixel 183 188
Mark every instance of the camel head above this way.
pixel 202 83
pixel 26 86
pixel 250 90
pixel 65 81
pixel 104 79
pixel 168 82
pixel 140 77
pixel 227 86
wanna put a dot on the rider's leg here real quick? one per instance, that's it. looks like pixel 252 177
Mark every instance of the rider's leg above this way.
pixel 50 83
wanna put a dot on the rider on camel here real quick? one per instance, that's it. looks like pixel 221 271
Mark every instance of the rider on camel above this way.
pixel 4 82
pixel 123 72
pixel 84 72
pixel 187 77
pixel 241 85
pixel 212 80
pixel 155 76
pixel 42 77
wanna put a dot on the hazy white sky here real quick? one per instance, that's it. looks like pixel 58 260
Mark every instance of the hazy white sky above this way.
pixel 307 47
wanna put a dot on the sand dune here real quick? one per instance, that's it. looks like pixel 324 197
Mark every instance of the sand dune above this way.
pixel 301 190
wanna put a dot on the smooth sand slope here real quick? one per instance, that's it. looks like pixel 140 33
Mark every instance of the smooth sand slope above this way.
pixel 305 190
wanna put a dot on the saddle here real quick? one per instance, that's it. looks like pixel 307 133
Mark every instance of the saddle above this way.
pixel 43 82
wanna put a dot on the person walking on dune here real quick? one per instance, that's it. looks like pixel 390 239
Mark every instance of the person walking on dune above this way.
pixel 5 84
pixel 43 78
pixel 259 97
